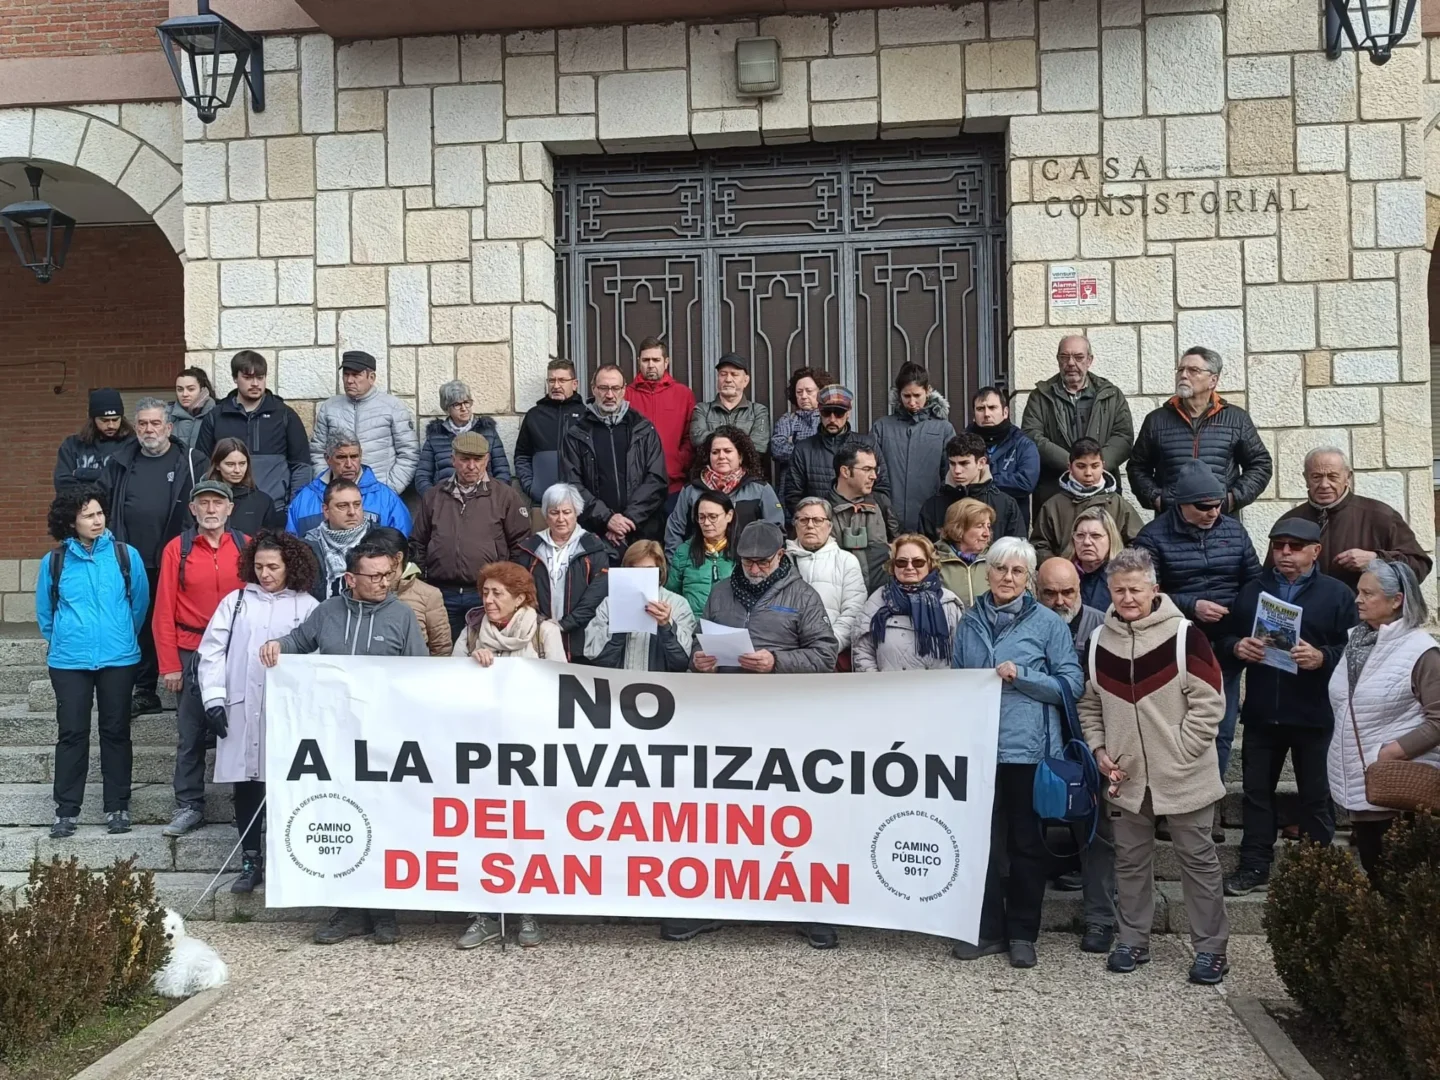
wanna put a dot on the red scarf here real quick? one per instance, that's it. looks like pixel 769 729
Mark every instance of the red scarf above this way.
pixel 715 482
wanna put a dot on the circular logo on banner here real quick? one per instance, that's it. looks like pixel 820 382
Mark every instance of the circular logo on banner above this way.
pixel 915 855
pixel 328 836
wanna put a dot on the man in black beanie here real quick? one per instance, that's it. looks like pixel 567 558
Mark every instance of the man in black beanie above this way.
pixel 84 455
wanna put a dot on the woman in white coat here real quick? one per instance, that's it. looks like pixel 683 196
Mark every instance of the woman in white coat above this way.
pixel 278 570
pixel 830 570
pixel 1385 694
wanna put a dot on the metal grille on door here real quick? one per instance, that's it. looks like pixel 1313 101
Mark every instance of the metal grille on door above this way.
pixel 852 259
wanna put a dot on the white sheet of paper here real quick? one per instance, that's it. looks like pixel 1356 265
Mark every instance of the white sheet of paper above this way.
pixel 726 643
pixel 631 588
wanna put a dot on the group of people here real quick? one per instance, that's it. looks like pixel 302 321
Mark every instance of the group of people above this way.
pixel 912 546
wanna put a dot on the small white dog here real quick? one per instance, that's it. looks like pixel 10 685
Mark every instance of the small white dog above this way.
pixel 193 966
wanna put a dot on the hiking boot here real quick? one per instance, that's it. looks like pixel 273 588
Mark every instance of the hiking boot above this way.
pixel 529 935
pixel 64 827
pixel 482 930
pixel 1209 968
pixel 685 929
pixel 1072 882
pixel 144 703
pixel 1022 954
pixel 1245 881
pixel 1126 958
pixel 185 819
pixel 345 923
pixel 252 873
pixel 387 931
pixel 1097 939
pixel 117 821
pixel 963 950
pixel 819 935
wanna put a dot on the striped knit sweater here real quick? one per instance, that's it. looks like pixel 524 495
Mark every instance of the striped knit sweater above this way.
pixel 1160 732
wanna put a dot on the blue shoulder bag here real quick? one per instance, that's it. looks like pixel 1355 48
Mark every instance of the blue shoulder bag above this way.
pixel 1067 788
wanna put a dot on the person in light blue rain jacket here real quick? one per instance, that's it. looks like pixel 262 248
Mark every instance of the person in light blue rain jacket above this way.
pixel 1011 633
pixel 91 596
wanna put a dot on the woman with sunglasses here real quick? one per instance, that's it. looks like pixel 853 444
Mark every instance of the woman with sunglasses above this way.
pixel 909 622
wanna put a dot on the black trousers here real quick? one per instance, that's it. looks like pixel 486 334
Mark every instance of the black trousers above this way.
pixel 1263 757
pixel 190 736
pixel 75 693
pixel 249 795
pixel 1010 910
pixel 147 672
pixel 1369 837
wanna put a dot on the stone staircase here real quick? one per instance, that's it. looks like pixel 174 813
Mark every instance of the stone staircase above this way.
pixel 184 866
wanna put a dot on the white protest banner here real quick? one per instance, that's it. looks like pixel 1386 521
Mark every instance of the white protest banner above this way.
pixel 539 788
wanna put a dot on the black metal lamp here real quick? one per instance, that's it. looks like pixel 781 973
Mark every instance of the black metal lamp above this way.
pixel 1383 24
pixel 205 39
pixel 32 227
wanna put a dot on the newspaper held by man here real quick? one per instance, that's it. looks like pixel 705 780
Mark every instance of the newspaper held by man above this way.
pixel 1277 625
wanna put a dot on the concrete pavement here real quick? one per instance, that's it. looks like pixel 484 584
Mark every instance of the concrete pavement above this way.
pixel 612 1002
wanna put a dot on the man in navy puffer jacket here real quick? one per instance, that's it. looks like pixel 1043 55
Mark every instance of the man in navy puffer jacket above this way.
pixel 1204 558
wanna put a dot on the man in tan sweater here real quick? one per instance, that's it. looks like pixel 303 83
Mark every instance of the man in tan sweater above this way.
pixel 1150 712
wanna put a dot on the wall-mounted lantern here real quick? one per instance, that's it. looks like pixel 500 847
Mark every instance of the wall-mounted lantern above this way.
pixel 757 66
pixel 39 233
pixel 1383 24
pixel 205 81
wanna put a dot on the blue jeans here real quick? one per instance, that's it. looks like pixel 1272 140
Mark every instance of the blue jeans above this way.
pixel 459 599
pixel 1227 725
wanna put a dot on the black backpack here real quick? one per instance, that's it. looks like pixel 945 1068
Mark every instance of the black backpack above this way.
pixel 57 564
pixel 187 544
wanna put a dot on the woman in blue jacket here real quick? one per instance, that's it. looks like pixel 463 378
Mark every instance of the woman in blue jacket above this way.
pixel 90 600
pixel 435 454
pixel 1030 648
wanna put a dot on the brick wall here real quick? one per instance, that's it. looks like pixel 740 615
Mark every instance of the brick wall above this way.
pixel 79 27
pixel 113 317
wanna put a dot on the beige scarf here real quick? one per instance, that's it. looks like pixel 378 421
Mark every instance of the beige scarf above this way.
pixel 520 638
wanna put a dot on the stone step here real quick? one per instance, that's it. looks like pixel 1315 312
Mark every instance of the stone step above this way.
pixel 31 804
pixel 181 890
pixel 36 764
pixel 41 697
pixel 23 649
pixel 21 727
pixel 17 678
pixel 204 849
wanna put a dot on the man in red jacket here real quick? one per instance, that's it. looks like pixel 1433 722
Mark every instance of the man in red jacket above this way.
pixel 198 569
pixel 668 405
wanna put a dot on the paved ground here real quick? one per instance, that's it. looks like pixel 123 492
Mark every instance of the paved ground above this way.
pixel 615 1003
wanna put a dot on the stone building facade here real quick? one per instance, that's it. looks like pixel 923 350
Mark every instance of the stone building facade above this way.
pixel 1201 162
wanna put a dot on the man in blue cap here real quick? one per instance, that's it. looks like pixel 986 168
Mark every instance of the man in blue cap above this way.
pixel 1287 711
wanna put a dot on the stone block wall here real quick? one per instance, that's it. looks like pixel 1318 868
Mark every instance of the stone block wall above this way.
pixel 1219 180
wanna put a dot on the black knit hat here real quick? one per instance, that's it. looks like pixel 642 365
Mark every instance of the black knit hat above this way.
pixel 105 402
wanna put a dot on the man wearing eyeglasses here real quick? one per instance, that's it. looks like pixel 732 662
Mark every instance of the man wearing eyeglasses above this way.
pixel 1197 423
pixel 537 447
pixel 366 619
pixel 812 464
pixel 1071 405
pixel 1287 712
pixel 1203 557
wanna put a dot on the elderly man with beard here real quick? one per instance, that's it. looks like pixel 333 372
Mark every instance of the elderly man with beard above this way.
pixel 148 483
pixel 615 457
pixel 791 634
pixel 1059 590
pixel 1353 529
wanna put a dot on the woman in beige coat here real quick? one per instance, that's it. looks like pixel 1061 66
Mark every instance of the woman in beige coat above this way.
pixel 1151 710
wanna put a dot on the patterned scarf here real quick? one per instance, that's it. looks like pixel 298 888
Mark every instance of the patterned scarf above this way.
pixel 335 545
pixel 1358 650
pixel 921 602
pixel 748 593
pixel 715 482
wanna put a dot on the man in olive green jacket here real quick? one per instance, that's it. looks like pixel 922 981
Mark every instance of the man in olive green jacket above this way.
pixel 1074 404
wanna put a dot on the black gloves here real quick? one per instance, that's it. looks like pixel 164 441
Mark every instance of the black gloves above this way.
pixel 217 722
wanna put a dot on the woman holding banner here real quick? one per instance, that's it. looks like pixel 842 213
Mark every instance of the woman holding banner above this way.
pixel 668 648
pixel 508 625
pixel 1030 648
pixel 278 570
pixel 909 622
